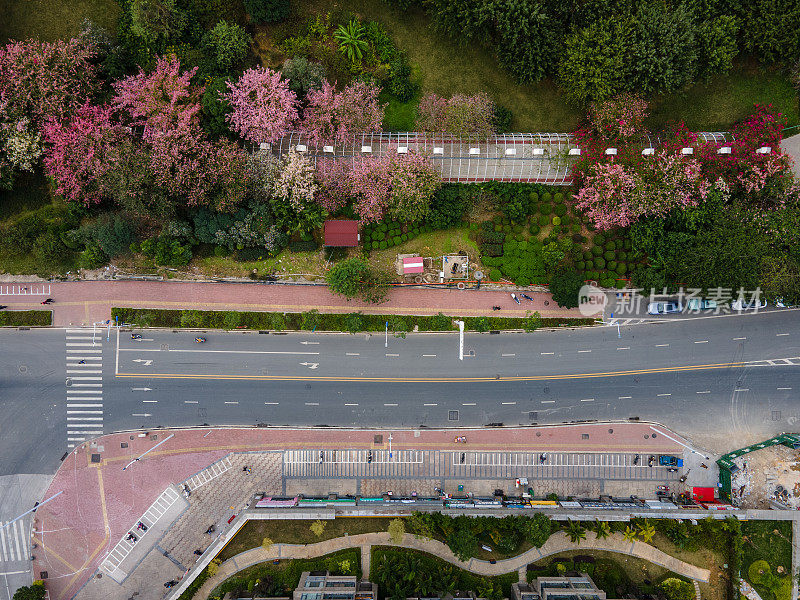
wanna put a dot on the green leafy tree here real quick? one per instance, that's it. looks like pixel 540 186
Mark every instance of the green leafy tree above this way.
pixel 646 531
pixel 717 45
pixel 593 65
pixel 772 27
pixel 629 534
pixel 565 286
pixel 351 40
pixel 575 532
pixel 353 278
pixel 780 278
pixel 228 44
pixel 318 527
pixel 532 322
pixel 602 530
pixel 267 11
pixel 677 589
pixel 36 591
pixel 397 530
pixel 354 322
pixel 303 75
pixel 537 529
pixel 156 22
pixel 462 541
pixel 215 108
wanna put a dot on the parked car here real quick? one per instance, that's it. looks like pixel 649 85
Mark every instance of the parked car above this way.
pixel 667 460
pixel 664 308
pixel 754 304
pixel 701 304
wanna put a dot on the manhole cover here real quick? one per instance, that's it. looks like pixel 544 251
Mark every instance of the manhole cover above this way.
pixel 452 415
pixel 546 390
pixel 95 458
pixel 23 368
pixel 654 435
pixel 68 382
pixel 123 445
pixel 610 431
pixel 533 416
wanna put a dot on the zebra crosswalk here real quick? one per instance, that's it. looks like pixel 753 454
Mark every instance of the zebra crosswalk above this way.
pixel 84 383
pixel 15 541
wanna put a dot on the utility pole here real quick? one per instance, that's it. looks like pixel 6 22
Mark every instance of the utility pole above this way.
pixel 386 342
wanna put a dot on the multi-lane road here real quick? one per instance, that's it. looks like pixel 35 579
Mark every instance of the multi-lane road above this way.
pixel 733 376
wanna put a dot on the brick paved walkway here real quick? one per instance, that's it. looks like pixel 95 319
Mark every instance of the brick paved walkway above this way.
pixel 558 542
pixel 86 302
pixel 100 501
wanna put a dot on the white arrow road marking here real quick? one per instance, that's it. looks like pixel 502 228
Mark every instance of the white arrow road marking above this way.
pixel 141 389
pixel 310 365
pixel 146 363
pixel 306 343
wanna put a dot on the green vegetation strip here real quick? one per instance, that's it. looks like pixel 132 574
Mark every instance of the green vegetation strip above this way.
pixel 26 318
pixel 315 321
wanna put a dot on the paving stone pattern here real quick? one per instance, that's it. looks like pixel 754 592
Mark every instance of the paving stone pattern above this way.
pixel 217 501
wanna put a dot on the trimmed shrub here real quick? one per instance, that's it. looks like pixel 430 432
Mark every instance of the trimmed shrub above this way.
pixel 545 208
pixel 589 264
pixel 610 245
pixel 547 196
pixel 534 228
pixel 544 220
pixel 597 250
pixel 495 275
pixel 600 262
pixel 609 255
pixel 561 210
pixel 620 284
pixel 559 197
pixel 565 220
pixel 587 255
pixel 522 281
pixel 580 265
pixel 556 221
pixel 533 197
pixel 612 265
pixel 599 239
pixel 621 268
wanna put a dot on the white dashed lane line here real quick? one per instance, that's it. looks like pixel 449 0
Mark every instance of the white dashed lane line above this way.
pixel 352 354
pixel 428 356
pixel 663 394
pixel 351 403
pixel 704 392
pixel 468 404
pixel 784 388
pixel 624 348
pixel 740 338
pixel 579 351
pixel 389 404
pixel 781 334
pixel 661 345
pixel 507 355
pixel 588 400
pixel 431 404
pixel 702 342
pixel 742 390
pixel 545 353
pixel 272 403
pixel 312 403
pixel 393 355
pixel 548 401
pixel 511 403
pixel 624 398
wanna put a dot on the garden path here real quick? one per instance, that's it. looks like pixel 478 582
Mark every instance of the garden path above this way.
pixel 791 146
pixel 558 542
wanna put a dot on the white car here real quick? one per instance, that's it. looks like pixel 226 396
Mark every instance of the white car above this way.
pixel 664 308
pixel 701 304
pixel 754 304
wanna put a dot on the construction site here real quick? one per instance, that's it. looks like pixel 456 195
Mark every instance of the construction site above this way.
pixel 767 477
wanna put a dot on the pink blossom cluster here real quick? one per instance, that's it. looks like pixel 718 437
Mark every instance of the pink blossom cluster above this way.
pixel 619 118
pixel 460 115
pixel 333 117
pixel 42 80
pixel 297 182
pixel 394 185
pixel 264 108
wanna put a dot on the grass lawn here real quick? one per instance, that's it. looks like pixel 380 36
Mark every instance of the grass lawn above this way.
pixel 435 244
pixel 708 558
pixel 50 20
pixel 770 541
pixel 298 532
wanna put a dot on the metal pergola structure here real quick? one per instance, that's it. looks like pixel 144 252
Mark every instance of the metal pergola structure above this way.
pixel 521 157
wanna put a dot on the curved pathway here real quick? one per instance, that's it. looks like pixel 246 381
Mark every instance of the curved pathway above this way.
pixel 558 542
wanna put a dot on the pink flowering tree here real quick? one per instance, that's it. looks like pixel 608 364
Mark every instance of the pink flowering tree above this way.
pixel 296 188
pixel 161 99
pixel 334 177
pixel 43 80
pixel 616 195
pixel 620 118
pixel 335 117
pixel 461 115
pixel 264 108
pixel 78 153
pixel 399 186
pixel 20 149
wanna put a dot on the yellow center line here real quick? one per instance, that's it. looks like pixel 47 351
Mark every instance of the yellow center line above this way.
pixel 430 379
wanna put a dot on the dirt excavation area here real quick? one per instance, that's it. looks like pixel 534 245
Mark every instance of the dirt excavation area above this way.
pixel 767 478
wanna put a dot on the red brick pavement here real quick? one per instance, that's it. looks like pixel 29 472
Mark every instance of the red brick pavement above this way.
pixel 100 500
pixel 85 302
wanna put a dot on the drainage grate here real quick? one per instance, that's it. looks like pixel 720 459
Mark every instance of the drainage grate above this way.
pixel 123 445
pixel 776 415
pixel 533 415
pixel 42 574
pixel 584 436
pixel 452 415
pixel 95 458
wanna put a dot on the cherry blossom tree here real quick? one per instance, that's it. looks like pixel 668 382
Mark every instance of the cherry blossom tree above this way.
pixel 334 177
pixel 162 99
pixel 335 117
pixel 297 182
pixel 20 149
pixel 78 156
pixel 42 80
pixel 264 108
pixel 432 113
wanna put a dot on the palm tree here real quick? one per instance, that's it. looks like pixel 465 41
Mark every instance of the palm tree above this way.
pixel 602 530
pixel 351 40
pixel 647 531
pixel 576 532
pixel 629 534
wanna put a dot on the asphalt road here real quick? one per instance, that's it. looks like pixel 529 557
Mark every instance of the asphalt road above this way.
pixel 703 377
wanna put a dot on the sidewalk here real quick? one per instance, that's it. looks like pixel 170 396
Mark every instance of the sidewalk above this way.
pixel 101 502
pixel 556 543
pixel 87 302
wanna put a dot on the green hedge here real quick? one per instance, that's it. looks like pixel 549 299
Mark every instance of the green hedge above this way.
pixel 218 319
pixel 26 318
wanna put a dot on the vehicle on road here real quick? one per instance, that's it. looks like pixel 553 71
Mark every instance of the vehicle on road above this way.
pixel 701 304
pixel 754 304
pixel 667 460
pixel 514 297
pixel 199 340
pixel 664 308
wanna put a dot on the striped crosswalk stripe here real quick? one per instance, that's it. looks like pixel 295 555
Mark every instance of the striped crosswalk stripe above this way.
pixel 84 361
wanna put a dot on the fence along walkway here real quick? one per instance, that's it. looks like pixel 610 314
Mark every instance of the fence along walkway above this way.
pixel 544 158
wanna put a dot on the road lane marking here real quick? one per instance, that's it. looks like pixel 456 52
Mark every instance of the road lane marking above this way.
pixel 351 403
pixel 740 338
pixel 393 355
pixel 150 401
pixel 428 356
pixel 84 418
pixel 781 334
pixel 579 351
pixel 389 404
pixel 312 403
pixel 661 345
pixel 548 401
pixel 468 404
pixel 508 355
pixel 272 403
pixel 171 350
pixel 702 342
pixel 190 401
pixel 704 392
pixel 543 353
pixel 431 404
pixel 88 405
pixel 84 412
pixel 624 398
pixel 742 390
pixel 588 400
pixel 785 388
pixel 90 371
pixel 624 348
pixel 352 354
pixel 85 378
pixel 231 402
pixel 663 394
pixel 511 403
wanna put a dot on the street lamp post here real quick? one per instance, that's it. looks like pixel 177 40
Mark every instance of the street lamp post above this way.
pixel 390 445
pixel 386 341
pixel 138 458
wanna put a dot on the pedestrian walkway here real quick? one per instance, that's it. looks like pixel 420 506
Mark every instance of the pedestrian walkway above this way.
pixel 84 383
pixel 86 302
pixel 557 543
